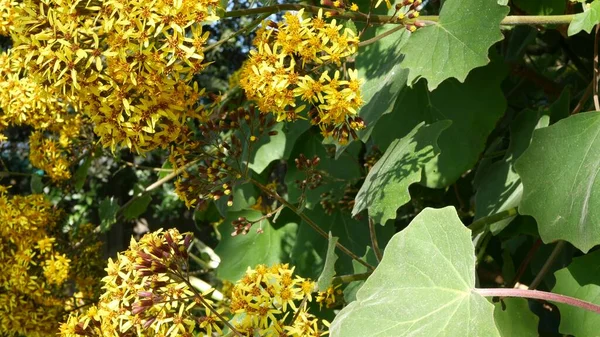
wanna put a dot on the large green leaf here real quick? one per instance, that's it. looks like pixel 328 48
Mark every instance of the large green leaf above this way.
pixel 500 187
pixel 513 318
pixel 270 148
pixel 422 287
pixel 559 171
pixel 456 44
pixel 474 107
pixel 581 279
pixel 386 186
pixel 586 20
pixel 242 251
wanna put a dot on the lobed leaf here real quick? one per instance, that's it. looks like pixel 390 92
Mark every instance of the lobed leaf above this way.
pixel 422 287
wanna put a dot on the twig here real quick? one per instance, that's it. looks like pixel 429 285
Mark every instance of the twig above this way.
pixel 595 79
pixel 584 98
pixel 309 221
pixel 207 305
pixel 374 242
pixel 539 295
pixel 481 224
pixel 350 278
pixel 523 266
pixel 380 36
pixel 547 265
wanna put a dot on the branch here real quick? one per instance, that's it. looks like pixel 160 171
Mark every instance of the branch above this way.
pixel 539 295
pixel 350 278
pixel 547 265
pixel 481 224
pixel 374 241
pixel 512 20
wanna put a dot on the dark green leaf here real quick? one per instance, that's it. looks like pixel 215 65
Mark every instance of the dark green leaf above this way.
pixel 456 44
pixel 500 187
pixel 541 7
pixel 137 207
pixel 81 173
pixel 36 184
pixel 473 107
pixel 107 212
pixel 513 318
pixel 242 251
pixel 270 148
pixel 581 279
pixel 386 186
pixel 337 171
pixel 559 173
pixel 324 281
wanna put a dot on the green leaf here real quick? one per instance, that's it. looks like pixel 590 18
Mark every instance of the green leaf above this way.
pixel 541 7
pixel 310 248
pixel 386 186
pixel 474 107
pixel 581 279
pixel 244 197
pixel 107 212
pixel 586 20
pixel 242 251
pixel 137 207
pixel 515 319
pixel 500 187
pixel 345 168
pixel 166 165
pixel 328 272
pixel 279 146
pixel 353 287
pixel 559 171
pixel 36 184
pixel 423 286
pixel 81 173
pixel 379 64
pixel 456 44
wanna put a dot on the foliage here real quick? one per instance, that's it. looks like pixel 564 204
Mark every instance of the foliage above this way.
pixel 368 168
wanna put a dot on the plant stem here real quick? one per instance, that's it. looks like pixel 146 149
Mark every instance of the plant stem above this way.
pixel 512 20
pixel 311 223
pixel 525 263
pixel 595 77
pixel 350 278
pixel 539 295
pixel 374 242
pixel 515 20
pixel 481 224
pixel 380 36
pixel 547 265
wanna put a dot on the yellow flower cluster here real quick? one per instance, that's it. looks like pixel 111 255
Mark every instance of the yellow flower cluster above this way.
pixel 34 268
pixel 7 16
pixel 299 58
pixel 124 64
pixel 144 293
pixel 271 301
